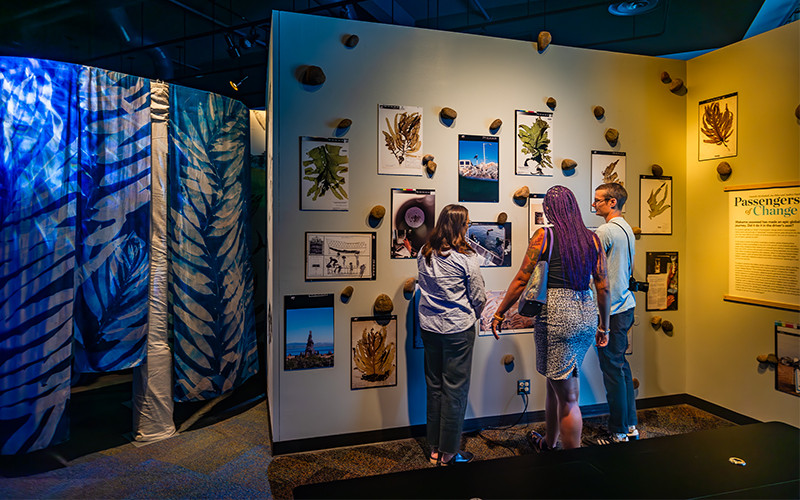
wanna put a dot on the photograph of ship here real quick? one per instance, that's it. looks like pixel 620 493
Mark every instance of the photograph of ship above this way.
pixel 514 323
pixel 478 168
pixel 309 331
pixel 787 349
pixel 492 242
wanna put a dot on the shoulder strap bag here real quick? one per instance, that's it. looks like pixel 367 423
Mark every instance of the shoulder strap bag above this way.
pixel 632 283
pixel 535 294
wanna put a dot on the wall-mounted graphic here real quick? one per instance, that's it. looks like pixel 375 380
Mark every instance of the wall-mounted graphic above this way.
pixel 413 212
pixel 533 143
pixel 514 323
pixel 655 204
pixel 478 168
pixel 324 165
pixel 717 124
pixel 492 242
pixel 787 349
pixel 536 217
pixel 374 352
pixel 399 140
pixel 308 320
pixel 662 274
pixel 340 256
pixel 608 166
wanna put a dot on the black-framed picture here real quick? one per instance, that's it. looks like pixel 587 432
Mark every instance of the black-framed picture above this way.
pixel 655 204
pixel 787 349
pixel 340 256
pixel 324 173
pixel 413 214
pixel 717 127
pixel 308 323
pixel 536 217
pixel 492 242
pixel 373 342
pixel 478 168
pixel 533 144
pixel 662 275
pixel 608 166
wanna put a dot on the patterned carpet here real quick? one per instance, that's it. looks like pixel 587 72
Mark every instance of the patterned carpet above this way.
pixel 289 471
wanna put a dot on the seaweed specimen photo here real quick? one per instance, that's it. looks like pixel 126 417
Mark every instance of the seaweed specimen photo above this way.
pixel 324 164
pixel 717 126
pixel 399 140
pixel 608 166
pixel 374 352
pixel 655 204
pixel 533 143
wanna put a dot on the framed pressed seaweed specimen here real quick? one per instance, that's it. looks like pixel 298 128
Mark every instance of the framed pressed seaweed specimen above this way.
pixel 607 166
pixel 324 165
pixel 399 140
pixel 717 127
pixel 533 143
pixel 340 256
pixel 655 204
pixel 373 352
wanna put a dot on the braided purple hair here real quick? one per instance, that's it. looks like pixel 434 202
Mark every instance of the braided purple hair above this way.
pixel 576 243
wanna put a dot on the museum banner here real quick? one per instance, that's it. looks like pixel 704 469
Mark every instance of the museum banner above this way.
pixel 764 245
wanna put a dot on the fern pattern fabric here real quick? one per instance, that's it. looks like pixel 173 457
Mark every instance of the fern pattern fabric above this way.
pixel 38 183
pixel 211 277
pixel 113 221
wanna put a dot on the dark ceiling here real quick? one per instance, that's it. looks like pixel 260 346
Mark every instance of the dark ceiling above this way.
pixel 188 42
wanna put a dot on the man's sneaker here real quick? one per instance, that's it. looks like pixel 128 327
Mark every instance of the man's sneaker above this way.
pixel 614 437
pixel 633 433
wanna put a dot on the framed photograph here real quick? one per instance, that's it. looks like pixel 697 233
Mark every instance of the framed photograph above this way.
pixel 399 140
pixel 534 143
pixel 717 126
pixel 373 343
pixel 655 204
pixel 607 166
pixel 413 212
pixel 787 349
pixel 492 242
pixel 340 256
pixel 662 275
pixel 514 323
pixel 308 320
pixel 324 177
pixel 536 217
pixel 478 168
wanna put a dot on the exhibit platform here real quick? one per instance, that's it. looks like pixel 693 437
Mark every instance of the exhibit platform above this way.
pixel 703 464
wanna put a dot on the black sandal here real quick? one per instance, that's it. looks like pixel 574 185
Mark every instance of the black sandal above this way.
pixel 538 442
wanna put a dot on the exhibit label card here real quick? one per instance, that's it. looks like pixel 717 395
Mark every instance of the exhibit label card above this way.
pixel 764 239
pixel 399 140
pixel 534 143
pixel 324 166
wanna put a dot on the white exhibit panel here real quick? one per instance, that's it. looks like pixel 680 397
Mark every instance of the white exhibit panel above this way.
pixel 482 79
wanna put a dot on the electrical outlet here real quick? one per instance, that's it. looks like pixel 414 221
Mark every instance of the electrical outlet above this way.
pixel 523 386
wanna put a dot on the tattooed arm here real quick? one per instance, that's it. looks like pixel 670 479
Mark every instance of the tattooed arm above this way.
pixel 600 275
pixel 517 285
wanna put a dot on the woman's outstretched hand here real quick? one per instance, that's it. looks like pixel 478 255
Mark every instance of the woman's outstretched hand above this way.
pixel 496 326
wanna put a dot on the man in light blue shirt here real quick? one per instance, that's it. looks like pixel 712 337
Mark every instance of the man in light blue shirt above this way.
pixel 617 239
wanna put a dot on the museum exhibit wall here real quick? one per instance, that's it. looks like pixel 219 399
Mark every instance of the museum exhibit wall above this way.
pixel 482 79
pixel 724 338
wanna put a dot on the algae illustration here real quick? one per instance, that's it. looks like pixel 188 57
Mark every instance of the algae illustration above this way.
pixel 609 174
pixel 374 355
pixel 325 173
pixel 403 139
pixel 717 125
pixel 536 142
pixel 655 205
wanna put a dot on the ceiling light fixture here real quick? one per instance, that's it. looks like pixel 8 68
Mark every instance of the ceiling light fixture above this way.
pixel 235 86
pixel 247 42
pixel 232 49
pixel 632 8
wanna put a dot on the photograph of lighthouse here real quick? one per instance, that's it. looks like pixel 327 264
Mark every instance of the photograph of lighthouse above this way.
pixel 309 331
pixel 478 168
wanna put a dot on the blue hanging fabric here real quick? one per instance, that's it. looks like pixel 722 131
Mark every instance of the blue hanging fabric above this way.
pixel 211 278
pixel 38 182
pixel 113 221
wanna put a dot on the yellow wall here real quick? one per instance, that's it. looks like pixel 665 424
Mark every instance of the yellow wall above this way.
pixel 724 338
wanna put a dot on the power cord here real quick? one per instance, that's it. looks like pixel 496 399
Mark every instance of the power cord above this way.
pixel 491 441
